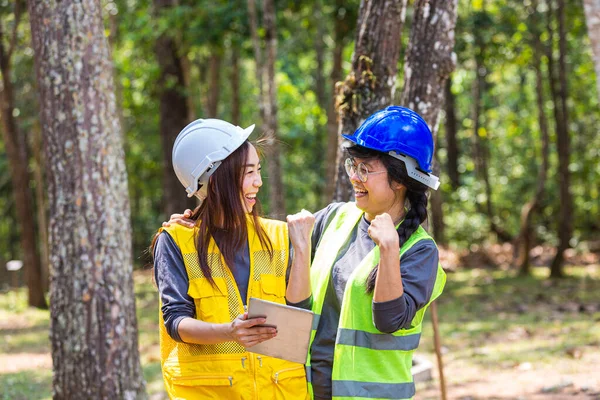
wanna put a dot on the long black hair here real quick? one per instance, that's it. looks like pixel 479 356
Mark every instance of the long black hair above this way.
pixel 416 193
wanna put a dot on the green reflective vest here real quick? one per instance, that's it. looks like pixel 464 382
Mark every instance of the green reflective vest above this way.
pixel 367 364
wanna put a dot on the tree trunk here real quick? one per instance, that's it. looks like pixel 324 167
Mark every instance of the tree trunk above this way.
pixel 437 212
pixel 214 76
pixel 430 58
pixel 235 86
pixel 565 227
pixel 93 320
pixel 276 192
pixel 481 151
pixel 16 151
pixel 323 96
pixel 342 30
pixel 40 200
pixel 371 83
pixel 592 18
pixel 451 132
pixel 523 241
pixel 173 114
pixel 320 86
pixel 268 101
pixel 186 68
pixel 429 61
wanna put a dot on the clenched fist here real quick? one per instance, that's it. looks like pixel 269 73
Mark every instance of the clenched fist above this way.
pixel 300 227
pixel 383 232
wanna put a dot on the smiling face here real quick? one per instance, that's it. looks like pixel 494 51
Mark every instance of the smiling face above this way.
pixel 376 196
pixel 251 179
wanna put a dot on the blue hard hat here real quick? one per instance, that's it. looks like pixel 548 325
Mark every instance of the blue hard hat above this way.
pixel 399 130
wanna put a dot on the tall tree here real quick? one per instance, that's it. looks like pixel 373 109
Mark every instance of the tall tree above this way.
pixel 234 78
pixel 480 139
pixel 214 76
pixel 16 150
pixel 371 83
pixel 342 31
pixel 265 71
pixel 173 110
pixel 451 132
pixel 430 58
pixel 592 18
pixel 93 320
pixel 563 144
pixel 429 61
pixel 524 239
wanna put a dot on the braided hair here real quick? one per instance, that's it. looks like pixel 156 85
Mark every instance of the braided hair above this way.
pixel 416 193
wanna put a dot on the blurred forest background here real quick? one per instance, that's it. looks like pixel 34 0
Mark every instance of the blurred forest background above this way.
pixel 490 119
pixel 517 140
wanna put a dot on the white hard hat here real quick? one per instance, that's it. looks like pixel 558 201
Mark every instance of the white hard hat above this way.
pixel 199 149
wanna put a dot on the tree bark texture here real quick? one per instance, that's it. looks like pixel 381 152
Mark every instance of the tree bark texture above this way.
pixel 342 31
pixel 173 113
pixel 370 84
pixel 16 151
pixel 430 58
pixel 592 19
pixel 265 70
pixel 93 320
pixel 565 225
pixel 451 133
pixel 524 238
pixel 429 61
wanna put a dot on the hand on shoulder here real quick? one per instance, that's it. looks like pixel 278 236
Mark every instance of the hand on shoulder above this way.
pixel 181 219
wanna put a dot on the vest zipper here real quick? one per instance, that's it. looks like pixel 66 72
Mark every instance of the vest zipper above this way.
pixel 259 360
pixel 230 381
pixel 253 366
pixel 243 362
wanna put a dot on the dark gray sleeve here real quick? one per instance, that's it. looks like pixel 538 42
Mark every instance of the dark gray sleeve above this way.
pixel 173 283
pixel 418 267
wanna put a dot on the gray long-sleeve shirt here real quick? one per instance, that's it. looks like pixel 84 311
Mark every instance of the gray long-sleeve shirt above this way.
pixel 418 269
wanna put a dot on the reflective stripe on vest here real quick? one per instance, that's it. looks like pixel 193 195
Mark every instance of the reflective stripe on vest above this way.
pixel 367 363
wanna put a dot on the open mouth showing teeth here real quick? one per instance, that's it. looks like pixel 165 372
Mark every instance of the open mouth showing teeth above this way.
pixel 356 190
pixel 251 196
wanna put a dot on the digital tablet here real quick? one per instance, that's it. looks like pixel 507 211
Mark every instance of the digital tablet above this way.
pixel 293 330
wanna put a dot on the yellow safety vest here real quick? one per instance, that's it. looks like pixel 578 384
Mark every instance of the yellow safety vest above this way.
pixel 226 370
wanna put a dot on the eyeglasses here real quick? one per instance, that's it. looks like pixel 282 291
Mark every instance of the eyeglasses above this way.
pixel 360 170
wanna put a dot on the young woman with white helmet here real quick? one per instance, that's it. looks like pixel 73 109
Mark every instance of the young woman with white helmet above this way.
pixel 205 273
pixel 375 269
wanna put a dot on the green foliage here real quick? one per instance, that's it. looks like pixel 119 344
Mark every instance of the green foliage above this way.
pixel 498 33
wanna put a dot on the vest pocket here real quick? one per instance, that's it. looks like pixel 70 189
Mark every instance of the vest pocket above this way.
pixel 273 288
pixel 211 301
pixel 290 383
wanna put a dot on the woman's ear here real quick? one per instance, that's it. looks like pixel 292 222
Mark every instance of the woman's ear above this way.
pixel 397 186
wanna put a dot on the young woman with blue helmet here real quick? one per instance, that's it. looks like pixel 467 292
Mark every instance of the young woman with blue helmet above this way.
pixel 374 268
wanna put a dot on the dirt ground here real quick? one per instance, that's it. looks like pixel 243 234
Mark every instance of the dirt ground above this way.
pixel 577 379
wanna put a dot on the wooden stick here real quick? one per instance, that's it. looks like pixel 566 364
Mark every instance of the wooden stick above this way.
pixel 438 348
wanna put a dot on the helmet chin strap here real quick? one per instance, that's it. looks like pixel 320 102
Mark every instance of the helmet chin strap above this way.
pixel 412 169
pixel 201 194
